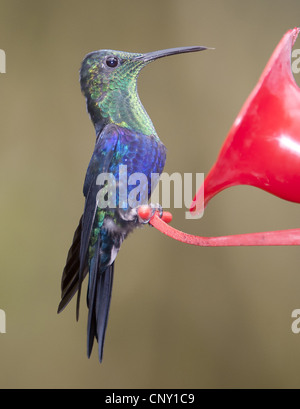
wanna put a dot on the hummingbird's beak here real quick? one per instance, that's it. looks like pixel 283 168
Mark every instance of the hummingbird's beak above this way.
pixel 170 51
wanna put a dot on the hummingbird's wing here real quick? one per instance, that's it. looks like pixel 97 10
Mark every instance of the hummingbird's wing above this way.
pixel 76 267
pixel 100 163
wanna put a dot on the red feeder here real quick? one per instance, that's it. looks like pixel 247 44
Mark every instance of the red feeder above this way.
pixel 262 148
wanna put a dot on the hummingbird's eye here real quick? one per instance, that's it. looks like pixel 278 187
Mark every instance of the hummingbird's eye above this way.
pixel 112 61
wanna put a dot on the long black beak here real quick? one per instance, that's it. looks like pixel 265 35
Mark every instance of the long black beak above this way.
pixel 170 51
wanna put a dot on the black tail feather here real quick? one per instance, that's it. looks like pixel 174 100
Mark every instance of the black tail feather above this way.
pixel 103 305
pixel 99 303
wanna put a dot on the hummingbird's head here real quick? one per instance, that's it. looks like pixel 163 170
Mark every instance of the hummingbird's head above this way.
pixel 108 80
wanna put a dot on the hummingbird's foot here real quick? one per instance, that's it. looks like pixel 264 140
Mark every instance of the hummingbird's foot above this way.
pixel 146 212
pixel 157 208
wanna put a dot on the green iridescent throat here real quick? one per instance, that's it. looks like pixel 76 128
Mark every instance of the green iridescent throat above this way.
pixel 124 108
pixel 115 100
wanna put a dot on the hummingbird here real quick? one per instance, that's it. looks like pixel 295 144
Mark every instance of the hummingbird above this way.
pixel 125 136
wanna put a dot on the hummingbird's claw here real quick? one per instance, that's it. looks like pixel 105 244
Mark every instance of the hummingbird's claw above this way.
pixel 157 208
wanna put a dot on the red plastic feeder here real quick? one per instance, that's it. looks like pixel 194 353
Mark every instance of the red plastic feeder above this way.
pixel 262 149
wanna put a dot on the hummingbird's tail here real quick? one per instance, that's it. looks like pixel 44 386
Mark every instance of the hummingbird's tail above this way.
pixel 99 296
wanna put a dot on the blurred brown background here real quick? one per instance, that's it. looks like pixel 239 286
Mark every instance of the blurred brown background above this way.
pixel 181 317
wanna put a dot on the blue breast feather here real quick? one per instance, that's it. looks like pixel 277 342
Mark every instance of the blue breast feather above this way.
pixel 139 153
